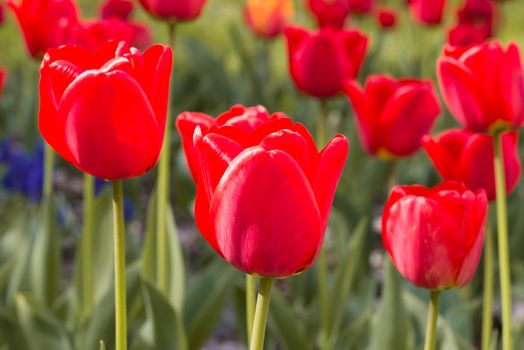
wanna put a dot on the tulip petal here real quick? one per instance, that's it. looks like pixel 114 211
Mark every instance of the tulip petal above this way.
pixel 265 216
pixel 366 121
pixel 510 85
pixel 460 91
pixel 107 136
pixel 329 169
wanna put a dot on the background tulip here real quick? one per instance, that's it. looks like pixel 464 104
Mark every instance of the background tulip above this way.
pixel 178 10
pixel 268 18
pixel 384 109
pixel 483 86
pixel 386 18
pixel 427 11
pixel 121 9
pixel 105 111
pixel 3 78
pixel 435 236
pixel 465 156
pixel 321 61
pixel 45 23
pixel 329 13
pixel 361 7
pixel 264 192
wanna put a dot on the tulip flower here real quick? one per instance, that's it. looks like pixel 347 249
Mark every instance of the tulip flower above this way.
pixel 121 9
pixel 3 78
pixel 177 10
pixel 105 111
pixel 264 192
pixel 483 86
pixel 91 34
pixel 361 7
pixel 384 109
pixel 320 62
pixel 2 16
pixel 268 18
pixel 386 18
pixel 434 236
pixel 465 156
pixel 330 13
pixel 45 23
pixel 427 12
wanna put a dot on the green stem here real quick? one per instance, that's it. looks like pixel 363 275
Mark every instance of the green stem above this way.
pixel 431 329
pixel 163 192
pixel 502 228
pixel 251 287
pixel 261 312
pixel 322 259
pixel 487 300
pixel 49 159
pixel 120 267
pixel 87 243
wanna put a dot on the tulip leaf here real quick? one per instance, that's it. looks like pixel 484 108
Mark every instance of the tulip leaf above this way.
pixel 46 258
pixel 41 329
pixel 283 321
pixel 10 332
pixel 175 263
pixel 346 275
pixel 205 302
pixel 391 325
pixel 164 319
pixel 102 345
pixel 101 254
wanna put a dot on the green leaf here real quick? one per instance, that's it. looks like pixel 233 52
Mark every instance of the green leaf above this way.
pixel 205 302
pixel 46 259
pixel 175 263
pixel 11 333
pixel 391 327
pixel 164 320
pixel 102 345
pixel 284 322
pixel 41 329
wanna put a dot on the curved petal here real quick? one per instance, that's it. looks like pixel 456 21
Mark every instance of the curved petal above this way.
pixel 109 125
pixel 512 164
pixel 329 169
pixel 265 216
pixel 366 121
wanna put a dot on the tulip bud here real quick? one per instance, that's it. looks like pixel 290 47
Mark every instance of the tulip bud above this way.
pixel 268 18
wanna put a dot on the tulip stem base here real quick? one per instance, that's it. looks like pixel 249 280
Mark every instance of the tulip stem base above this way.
pixel 87 243
pixel 431 329
pixel 261 312
pixel 503 244
pixel 487 299
pixel 120 267
pixel 49 161
pixel 251 287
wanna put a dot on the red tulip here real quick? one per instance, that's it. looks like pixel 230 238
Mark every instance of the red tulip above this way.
pixel 91 34
pixel 475 23
pixel 2 16
pixel 264 192
pixel 178 10
pixel 268 18
pixel 427 11
pixel 105 111
pixel 321 61
pixel 3 78
pixel 386 18
pixel 45 23
pixel 393 115
pixel 330 13
pixel 465 156
pixel 435 236
pixel 483 86
pixel 465 35
pixel 360 7
pixel 121 9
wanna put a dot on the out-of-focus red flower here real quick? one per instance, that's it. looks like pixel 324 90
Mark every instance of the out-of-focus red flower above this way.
pixel 2 16
pixel 393 115
pixel 3 78
pixel 105 111
pixel 435 236
pixel 465 156
pixel 386 18
pixel 321 61
pixel 264 192
pixel 178 10
pixel 330 13
pixel 268 18
pixel 475 23
pixel 91 34
pixel 427 11
pixel 361 7
pixel 463 35
pixel 483 86
pixel 116 8
pixel 45 23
